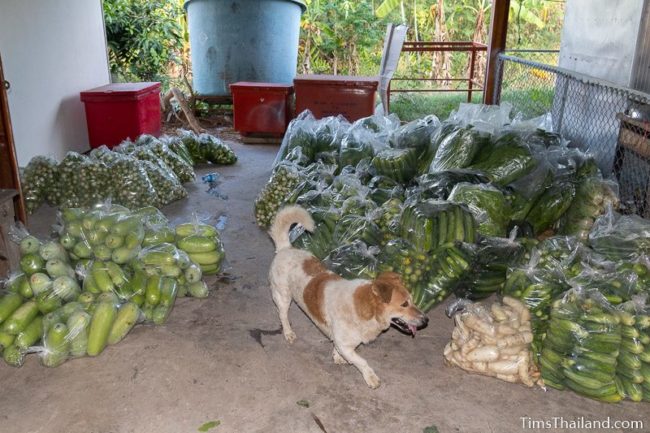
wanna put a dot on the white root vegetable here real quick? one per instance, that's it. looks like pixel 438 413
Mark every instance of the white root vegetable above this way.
pixel 481 367
pixel 498 313
pixel 515 340
pixel 507 352
pixel 504 367
pixel 483 354
pixel 504 329
pixel 478 325
pixel 519 307
pixel 472 344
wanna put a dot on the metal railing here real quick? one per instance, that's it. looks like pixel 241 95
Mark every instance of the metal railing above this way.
pixel 596 116
pixel 471 48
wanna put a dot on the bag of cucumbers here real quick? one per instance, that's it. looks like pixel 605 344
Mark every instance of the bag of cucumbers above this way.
pixel 581 347
pixel 354 260
pixel 620 237
pixel 633 366
pixel 202 244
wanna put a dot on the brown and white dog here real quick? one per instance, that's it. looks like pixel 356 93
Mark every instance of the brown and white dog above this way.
pixel 348 312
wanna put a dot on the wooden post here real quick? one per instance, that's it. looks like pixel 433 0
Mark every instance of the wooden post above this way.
pixel 496 44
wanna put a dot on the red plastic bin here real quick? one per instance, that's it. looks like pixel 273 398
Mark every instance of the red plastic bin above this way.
pixel 119 111
pixel 331 95
pixel 262 109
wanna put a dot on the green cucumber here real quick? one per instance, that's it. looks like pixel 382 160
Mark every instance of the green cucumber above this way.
pixel 632 345
pixel 78 323
pixel 103 253
pixel 8 304
pixel 183 260
pixel 29 245
pixel 40 282
pixel 172 271
pixel 113 241
pixel 629 360
pixel 197 244
pixel 193 273
pixel 189 229
pixel 100 327
pixel 158 258
pixel 583 379
pixel 126 318
pixel 152 292
pixel 66 288
pixel 123 255
pixel 48 302
pixel 198 289
pixel 20 318
pixel 31 264
pixel 634 391
pixel 57 347
pixel 168 290
pixel 6 340
pixel 161 313
pixel 96 238
pixel 635 376
pixel 609 359
pixel 58 268
pixel 134 238
pixel 210 269
pixel 101 277
pixel 603 391
pixel 126 225
pixel 83 250
pixel 115 272
pixel 89 284
pixel 31 334
pixel 210 258
pixel 13 356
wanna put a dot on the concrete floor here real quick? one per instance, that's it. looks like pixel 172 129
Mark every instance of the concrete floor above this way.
pixel 215 361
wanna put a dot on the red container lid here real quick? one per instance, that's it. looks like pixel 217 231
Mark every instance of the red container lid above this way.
pixel 272 87
pixel 120 91
pixel 338 80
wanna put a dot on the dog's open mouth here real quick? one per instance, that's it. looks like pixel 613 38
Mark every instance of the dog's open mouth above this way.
pixel 403 326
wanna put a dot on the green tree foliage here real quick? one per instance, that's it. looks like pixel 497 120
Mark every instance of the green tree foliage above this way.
pixel 145 38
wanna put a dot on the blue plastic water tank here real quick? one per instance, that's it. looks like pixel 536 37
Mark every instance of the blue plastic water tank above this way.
pixel 242 40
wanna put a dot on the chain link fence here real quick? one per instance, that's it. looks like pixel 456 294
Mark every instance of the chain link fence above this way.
pixel 610 122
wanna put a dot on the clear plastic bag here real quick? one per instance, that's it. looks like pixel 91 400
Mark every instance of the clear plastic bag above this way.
pixel 505 160
pixel 84 181
pixel 283 181
pixel 202 244
pixel 493 341
pixel 354 260
pixel 438 185
pixel 300 133
pixel 40 183
pixel 620 237
pixel 418 135
pixel 183 170
pixel 488 204
pixel 457 147
pixel 583 335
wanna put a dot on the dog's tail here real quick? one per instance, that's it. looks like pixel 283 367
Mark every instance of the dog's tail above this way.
pixel 283 221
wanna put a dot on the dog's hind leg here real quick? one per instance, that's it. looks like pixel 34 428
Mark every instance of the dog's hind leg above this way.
pixel 282 301
pixel 349 354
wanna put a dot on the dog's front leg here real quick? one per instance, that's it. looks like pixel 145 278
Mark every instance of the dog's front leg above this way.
pixel 349 354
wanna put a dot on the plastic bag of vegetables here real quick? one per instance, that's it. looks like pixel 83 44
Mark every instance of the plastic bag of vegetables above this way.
pixel 493 341
pixel 458 148
pixel 633 362
pixel 488 204
pixel 40 182
pixel 282 183
pixel 579 351
pixel 179 166
pixel 430 224
pixel 354 260
pixel 300 133
pixel 593 197
pixel 620 237
pixel 167 186
pixel 84 181
pixel 132 185
pixel 177 145
pixel 438 185
pixel 397 164
pixel 202 244
pixel 537 287
pixel 351 227
pixel 418 135
pixel 505 160
pixel 357 144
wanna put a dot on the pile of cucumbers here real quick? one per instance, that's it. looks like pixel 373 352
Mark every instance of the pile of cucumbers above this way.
pixel 110 269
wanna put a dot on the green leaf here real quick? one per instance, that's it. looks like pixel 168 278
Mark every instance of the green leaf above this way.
pixel 303 403
pixel 431 429
pixel 209 425
pixel 386 7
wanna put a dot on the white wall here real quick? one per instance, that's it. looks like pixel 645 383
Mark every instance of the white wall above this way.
pixel 599 38
pixel 51 50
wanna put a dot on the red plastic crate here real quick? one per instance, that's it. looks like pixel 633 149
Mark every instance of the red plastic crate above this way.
pixel 261 108
pixel 331 95
pixel 119 111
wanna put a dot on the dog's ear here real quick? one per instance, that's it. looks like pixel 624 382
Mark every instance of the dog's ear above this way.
pixel 384 284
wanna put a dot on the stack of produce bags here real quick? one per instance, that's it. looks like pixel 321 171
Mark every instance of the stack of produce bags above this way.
pixel 147 172
pixel 475 205
pixel 109 269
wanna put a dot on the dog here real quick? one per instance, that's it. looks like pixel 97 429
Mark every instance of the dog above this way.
pixel 348 312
